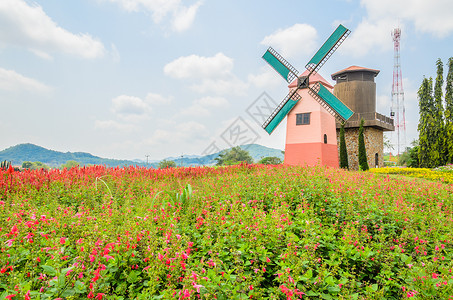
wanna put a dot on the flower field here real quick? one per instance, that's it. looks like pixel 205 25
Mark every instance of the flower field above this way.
pixel 443 174
pixel 239 232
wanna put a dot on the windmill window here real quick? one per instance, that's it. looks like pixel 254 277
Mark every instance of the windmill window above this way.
pixel 303 119
pixel 325 138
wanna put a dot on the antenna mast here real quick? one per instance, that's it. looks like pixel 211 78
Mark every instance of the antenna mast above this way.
pixel 397 110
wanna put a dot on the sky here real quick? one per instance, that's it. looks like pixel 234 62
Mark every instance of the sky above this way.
pixel 130 79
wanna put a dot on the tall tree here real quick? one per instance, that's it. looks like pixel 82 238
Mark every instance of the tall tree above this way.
pixel 439 126
pixel 449 114
pixel 234 156
pixel 426 122
pixel 363 161
pixel 164 164
pixel 344 164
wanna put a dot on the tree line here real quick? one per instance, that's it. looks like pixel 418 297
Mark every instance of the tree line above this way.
pixel 435 127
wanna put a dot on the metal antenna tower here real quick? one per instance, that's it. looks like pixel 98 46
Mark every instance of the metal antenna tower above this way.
pixel 397 110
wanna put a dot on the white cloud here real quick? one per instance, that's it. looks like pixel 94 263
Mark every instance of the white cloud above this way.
pixel 368 37
pixel 130 107
pixel 212 102
pixel 13 81
pixel 373 33
pixel 200 107
pixel 194 110
pixel 213 74
pixel 182 132
pixel 116 57
pixel 181 16
pixel 28 26
pixel 194 66
pixel 292 41
pixel 435 16
pixel 230 86
pixel 157 99
pixel 184 17
pixel 113 125
pixel 267 78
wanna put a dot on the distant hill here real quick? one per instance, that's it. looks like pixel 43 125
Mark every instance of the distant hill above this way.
pixel 30 152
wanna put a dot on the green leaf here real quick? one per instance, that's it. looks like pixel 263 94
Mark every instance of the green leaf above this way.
pixel 334 289
pixel 311 293
pixel 49 270
pixel 80 287
pixel 68 293
pixel 326 296
pixel 133 277
pixel 61 280
pixel 374 287
pixel 66 270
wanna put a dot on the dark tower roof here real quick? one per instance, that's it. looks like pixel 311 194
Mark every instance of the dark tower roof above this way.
pixel 353 69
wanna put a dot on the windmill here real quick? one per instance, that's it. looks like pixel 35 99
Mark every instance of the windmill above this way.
pixel 317 91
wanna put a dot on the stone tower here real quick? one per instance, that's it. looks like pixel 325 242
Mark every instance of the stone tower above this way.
pixel 356 88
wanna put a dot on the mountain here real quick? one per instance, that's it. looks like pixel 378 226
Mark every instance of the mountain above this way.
pixel 30 152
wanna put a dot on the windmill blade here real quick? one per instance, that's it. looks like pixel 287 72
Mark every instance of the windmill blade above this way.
pixel 284 68
pixel 281 111
pixel 331 103
pixel 327 49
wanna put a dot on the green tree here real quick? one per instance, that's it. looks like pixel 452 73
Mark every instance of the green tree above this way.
pixel 234 156
pixel 34 165
pixel 363 162
pixel 426 135
pixel 438 155
pixel 270 160
pixel 344 163
pixel 70 164
pixel 413 155
pixel 163 164
pixel 449 114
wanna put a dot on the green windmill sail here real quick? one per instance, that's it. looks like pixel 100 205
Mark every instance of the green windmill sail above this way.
pixel 331 103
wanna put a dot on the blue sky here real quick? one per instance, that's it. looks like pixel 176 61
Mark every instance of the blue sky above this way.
pixel 128 78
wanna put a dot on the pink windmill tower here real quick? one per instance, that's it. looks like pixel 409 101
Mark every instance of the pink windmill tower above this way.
pixel 310 106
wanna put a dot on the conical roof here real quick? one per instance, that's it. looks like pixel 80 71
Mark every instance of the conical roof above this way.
pixel 354 69
pixel 313 79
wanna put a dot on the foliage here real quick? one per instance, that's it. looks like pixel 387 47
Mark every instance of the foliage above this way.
pixel 245 231
pixel 344 164
pixel 234 156
pixel 409 158
pixel 270 160
pixel 163 164
pixel 449 113
pixel 435 125
pixel 5 165
pixel 363 161
pixel 427 154
pixel 34 165
pixel 439 123
pixel 70 164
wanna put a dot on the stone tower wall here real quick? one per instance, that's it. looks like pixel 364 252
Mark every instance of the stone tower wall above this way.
pixel 374 144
